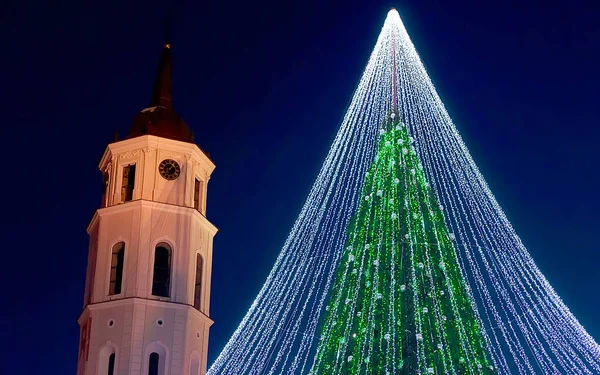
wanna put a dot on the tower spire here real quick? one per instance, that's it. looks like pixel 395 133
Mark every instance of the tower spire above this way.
pixel 160 119
pixel 162 95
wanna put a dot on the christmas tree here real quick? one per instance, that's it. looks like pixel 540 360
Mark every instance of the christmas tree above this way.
pixel 401 260
pixel 399 304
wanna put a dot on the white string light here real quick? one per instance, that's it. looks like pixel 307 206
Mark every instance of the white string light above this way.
pixel 526 326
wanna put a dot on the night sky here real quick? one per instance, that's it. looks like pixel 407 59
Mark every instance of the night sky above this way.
pixel 264 87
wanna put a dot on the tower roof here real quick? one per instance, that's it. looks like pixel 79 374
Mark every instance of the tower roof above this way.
pixel 160 119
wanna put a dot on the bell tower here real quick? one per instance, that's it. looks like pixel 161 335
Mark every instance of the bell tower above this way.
pixel 147 293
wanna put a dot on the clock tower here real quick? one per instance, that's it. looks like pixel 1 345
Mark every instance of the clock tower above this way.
pixel 147 293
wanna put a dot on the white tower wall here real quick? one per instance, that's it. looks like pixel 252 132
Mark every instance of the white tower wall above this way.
pixel 133 323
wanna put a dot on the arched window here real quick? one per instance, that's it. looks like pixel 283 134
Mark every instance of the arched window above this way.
pixel 156 359
pixel 162 270
pixel 116 268
pixel 198 284
pixel 111 364
pixel 153 363
pixel 107 358
pixel 195 364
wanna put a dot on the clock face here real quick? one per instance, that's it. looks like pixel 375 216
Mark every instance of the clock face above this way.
pixel 169 169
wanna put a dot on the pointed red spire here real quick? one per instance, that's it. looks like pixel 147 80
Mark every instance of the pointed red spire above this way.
pixel 160 119
pixel 163 85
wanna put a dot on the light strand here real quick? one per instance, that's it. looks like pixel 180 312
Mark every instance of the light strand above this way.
pixel 506 317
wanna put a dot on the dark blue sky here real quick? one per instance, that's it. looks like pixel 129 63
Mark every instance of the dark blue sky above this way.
pixel 264 86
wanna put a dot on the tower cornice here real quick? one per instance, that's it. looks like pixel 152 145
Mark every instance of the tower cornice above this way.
pixel 158 206
pixel 147 143
pixel 147 302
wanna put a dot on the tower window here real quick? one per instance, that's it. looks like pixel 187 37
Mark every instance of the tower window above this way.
pixel 116 268
pixel 162 270
pixel 127 183
pixel 198 285
pixel 107 360
pixel 111 364
pixel 198 194
pixel 195 365
pixel 153 364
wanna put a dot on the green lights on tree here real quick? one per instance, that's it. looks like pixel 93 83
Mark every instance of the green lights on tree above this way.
pixel 399 304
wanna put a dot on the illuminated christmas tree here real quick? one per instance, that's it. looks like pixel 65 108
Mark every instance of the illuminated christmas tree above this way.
pixel 399 304
pixel 401 261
